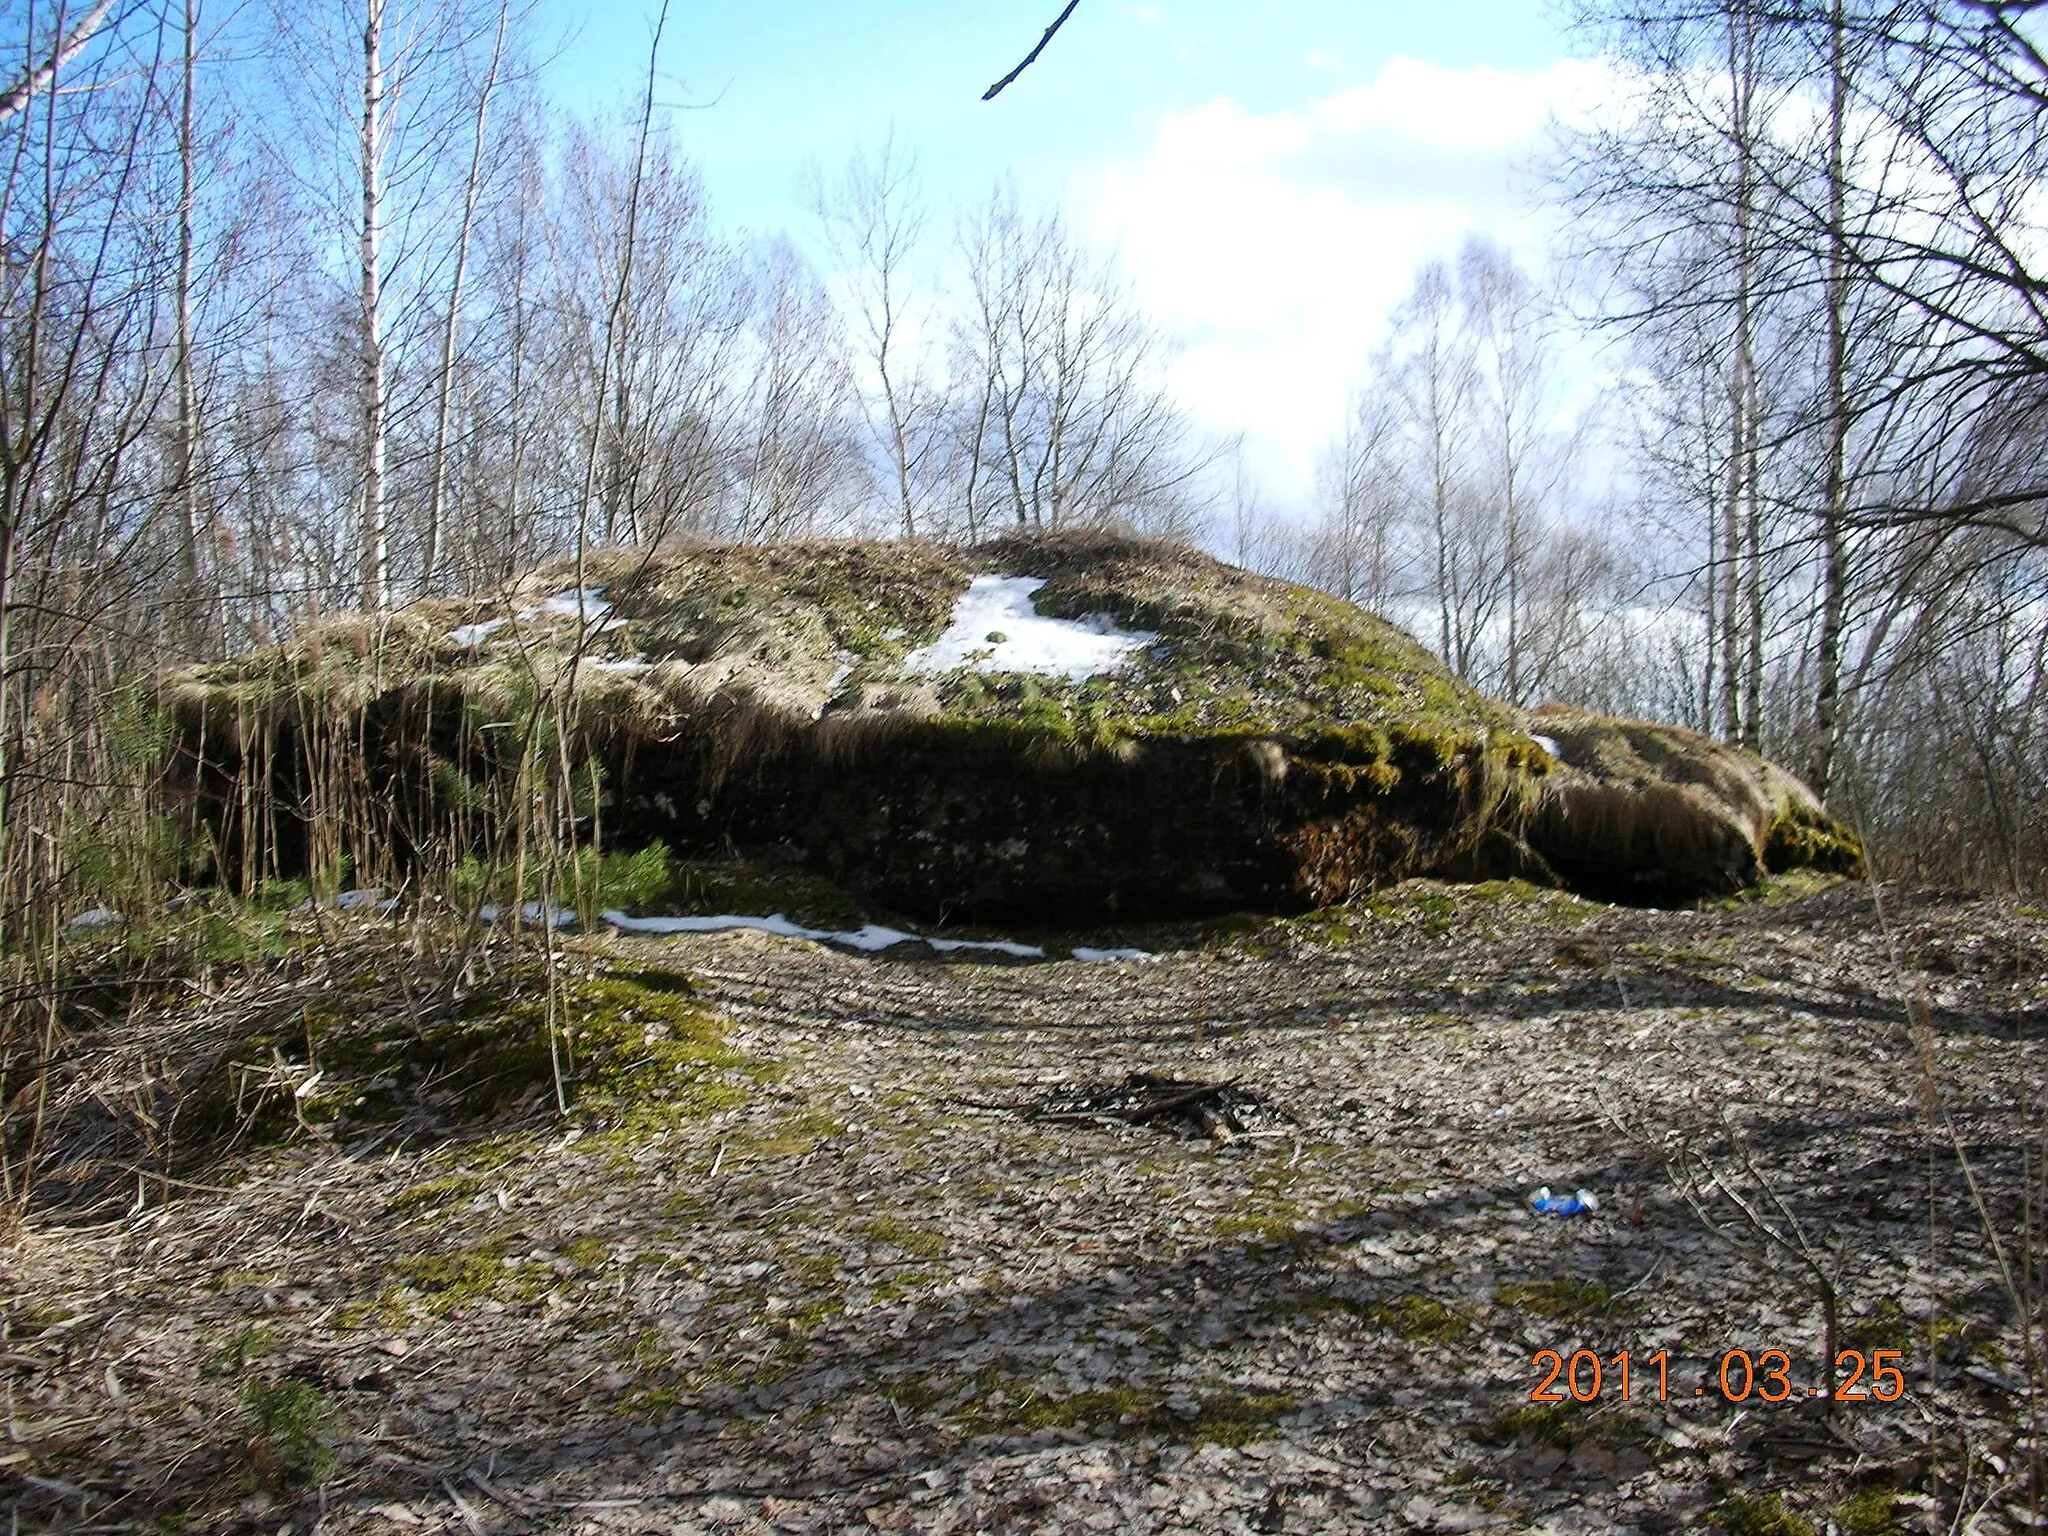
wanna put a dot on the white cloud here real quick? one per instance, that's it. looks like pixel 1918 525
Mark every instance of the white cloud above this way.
pixel 1276 244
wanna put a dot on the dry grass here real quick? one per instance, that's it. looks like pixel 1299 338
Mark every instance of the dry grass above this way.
pixel 1647 810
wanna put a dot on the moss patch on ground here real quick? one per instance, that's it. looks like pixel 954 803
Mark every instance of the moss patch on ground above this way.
pixel 1420 1319
pixel 1759 1514
pixel 629 1051
pixel 1562 1299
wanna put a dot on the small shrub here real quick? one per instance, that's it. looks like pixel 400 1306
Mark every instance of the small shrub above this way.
pixel 295 1428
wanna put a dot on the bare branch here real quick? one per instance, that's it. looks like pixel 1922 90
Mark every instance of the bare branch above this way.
pixel 68 46
pixel 1031 58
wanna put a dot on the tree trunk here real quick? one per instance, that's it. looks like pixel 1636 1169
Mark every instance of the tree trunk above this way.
pixel 437 500
pixel 1741 641
pixel 1834 511
pixel 899 426
pixel 68 46
pixel 617 310
pixel 376 531
pixel 185 457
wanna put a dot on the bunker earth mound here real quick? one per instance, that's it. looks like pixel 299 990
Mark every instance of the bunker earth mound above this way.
pixel 1161 735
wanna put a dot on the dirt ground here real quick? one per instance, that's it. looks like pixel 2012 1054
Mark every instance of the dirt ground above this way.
pixel 865 1290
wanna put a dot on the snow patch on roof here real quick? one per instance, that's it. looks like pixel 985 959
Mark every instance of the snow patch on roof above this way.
pixel 995 629
pixel 470 636
pixel 585 603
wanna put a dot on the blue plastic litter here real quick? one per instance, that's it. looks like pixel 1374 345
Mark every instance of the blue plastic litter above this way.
pixel 1579 1201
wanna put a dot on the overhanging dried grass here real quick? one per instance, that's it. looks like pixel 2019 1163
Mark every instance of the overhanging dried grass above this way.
pixel 1640 809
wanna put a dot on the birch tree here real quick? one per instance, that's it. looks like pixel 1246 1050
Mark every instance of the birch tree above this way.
pixel 876 225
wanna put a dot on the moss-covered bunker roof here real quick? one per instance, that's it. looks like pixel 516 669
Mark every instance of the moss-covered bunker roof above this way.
pixel 821 630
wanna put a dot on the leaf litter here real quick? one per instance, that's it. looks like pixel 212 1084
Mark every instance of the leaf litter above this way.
pixel 842 1296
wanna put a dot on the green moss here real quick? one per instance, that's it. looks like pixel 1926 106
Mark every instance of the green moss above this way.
pixel 1886 1327
pixel 1237 1418
pixel 1759 1514
pixel 1552 1424
pixel 450 1189
pixel 913 1240
pixel 1801 839
pixel 915 1394
pixel 1555 1298
pixel 294 1429
pixel 803 1320
pixel 1421 903
pixel 23 1319
pixel 633 1051
pixel 1420 1319
pixel 906 1280
pixel 636 1057
pixel 453 1276
pixel 1868 1512
pixel 234 1356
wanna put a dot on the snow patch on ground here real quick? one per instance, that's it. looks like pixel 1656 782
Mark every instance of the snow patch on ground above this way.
pixel 1549 745
pixel 92 920
pixel 995 629
pixel 558 917
pixel 994 946
pixel 778 924
pixel 871 939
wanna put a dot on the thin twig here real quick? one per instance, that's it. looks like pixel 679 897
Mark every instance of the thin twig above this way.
pixel 1031 58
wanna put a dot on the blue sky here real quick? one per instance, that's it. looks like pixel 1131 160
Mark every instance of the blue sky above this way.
pixel 1271 173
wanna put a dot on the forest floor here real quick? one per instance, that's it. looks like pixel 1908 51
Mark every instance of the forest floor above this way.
pixel 848 1283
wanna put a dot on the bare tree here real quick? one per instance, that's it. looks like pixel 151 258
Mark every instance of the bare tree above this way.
pixel 1429 368
pixel 451 323
pixel 655 310
pixel 68 38
pixel 1834 600
pixel 801 455
pixel 876 223
pixel 378 94
pixel 1353 548
pixel 1073 423
pixel 1519 421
